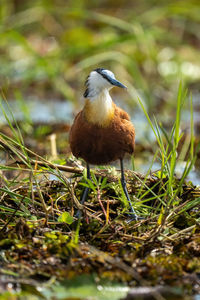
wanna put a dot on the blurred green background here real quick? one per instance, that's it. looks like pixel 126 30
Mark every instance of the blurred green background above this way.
pixel 47 49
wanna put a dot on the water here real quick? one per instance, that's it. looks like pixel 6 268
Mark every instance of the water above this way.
pixel 51 111
pixel 44 111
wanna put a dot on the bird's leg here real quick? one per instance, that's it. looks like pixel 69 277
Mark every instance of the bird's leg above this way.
pixel 123 182
pixel 85 193
pixel 86 190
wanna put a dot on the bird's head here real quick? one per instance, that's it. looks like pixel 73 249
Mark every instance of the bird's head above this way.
pixel 99 80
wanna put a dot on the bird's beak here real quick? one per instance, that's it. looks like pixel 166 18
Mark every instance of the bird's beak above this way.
pixel 117 83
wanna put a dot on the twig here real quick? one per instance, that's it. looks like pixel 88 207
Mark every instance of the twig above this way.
pixel 175 235
pixel 33 162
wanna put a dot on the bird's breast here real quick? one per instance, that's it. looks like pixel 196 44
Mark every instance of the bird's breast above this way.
pixel 101 145
pixel 99 112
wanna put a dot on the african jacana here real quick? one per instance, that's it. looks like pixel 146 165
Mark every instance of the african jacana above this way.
pixel 102 132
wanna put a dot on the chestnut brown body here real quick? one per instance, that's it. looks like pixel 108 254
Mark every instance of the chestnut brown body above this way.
pixel 98 144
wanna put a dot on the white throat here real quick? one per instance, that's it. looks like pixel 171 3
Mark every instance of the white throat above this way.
pixel 99 108
pixel 100 95
pixel 102 104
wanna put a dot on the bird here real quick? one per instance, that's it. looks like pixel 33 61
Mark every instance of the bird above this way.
pixel 102 132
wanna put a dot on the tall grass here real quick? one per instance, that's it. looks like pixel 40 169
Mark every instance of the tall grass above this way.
pixel 168 155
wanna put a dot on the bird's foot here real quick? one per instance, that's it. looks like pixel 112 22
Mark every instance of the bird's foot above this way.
pixel 133 218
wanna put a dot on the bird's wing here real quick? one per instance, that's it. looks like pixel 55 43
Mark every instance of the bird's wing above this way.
pixel 123 114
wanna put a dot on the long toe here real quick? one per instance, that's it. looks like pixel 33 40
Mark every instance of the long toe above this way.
pixel 78 214
pixel 134 218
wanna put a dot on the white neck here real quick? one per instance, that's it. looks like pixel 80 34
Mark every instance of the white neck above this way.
pixel 96 95
pixel 99 108
pixel 96 92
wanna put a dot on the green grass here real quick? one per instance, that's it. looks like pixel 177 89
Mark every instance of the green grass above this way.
pixel 169 156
